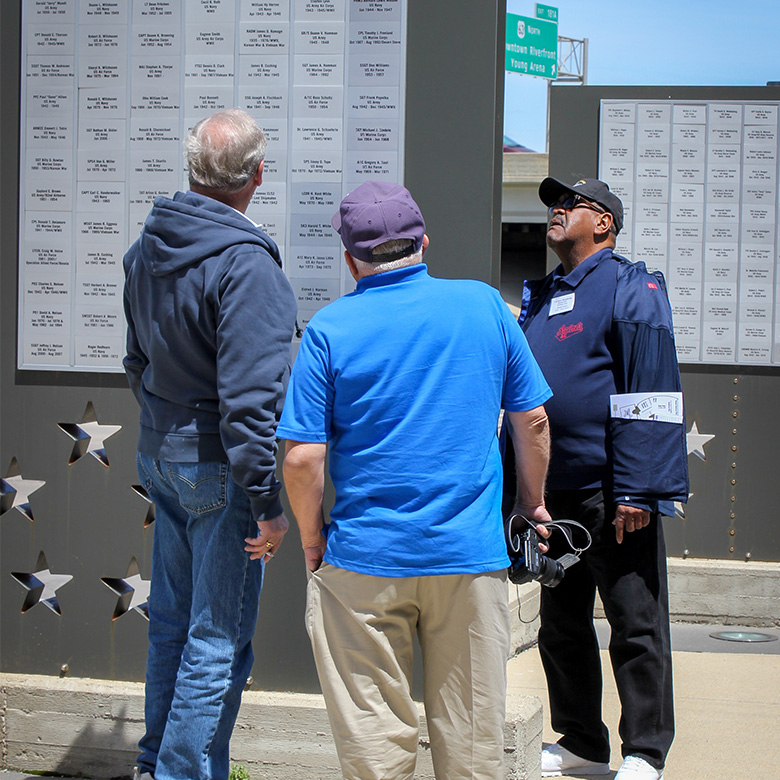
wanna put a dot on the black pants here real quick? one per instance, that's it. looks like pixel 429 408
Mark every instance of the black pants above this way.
pixel 631 579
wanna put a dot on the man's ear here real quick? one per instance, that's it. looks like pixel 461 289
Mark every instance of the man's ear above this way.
pixel 425 242
pixel 258 177
pixel 351 265
pixel 603 224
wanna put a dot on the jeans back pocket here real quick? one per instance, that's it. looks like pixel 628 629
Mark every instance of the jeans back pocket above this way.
pixel 201 487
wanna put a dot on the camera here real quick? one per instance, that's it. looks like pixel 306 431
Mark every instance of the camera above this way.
pixel 526 562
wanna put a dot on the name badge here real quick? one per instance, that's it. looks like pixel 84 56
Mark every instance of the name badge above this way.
pixel 561 304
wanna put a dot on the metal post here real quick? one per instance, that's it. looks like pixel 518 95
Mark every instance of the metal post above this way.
pixel 547 120
pixel 584 62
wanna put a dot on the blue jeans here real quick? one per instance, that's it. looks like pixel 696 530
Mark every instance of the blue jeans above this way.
pixel 202 615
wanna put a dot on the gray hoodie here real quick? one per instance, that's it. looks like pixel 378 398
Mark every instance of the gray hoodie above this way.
pixel 210 318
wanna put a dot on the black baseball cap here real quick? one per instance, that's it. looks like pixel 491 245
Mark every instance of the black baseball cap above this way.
pixel 550 190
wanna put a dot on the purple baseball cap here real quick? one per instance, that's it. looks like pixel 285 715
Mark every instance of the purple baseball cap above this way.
pixel 375 212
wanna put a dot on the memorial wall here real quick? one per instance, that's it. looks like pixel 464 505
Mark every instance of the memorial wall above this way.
pixel 697 170
pixel 110 88
pixel 699 184
pixel 346 89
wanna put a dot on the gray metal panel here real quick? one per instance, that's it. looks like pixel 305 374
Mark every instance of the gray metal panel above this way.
pixel 87 519
pixel 708 530
pixel 454 127
pixel 741 463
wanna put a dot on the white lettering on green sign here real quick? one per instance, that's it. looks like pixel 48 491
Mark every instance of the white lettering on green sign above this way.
pixel 531 46
pixel 548 12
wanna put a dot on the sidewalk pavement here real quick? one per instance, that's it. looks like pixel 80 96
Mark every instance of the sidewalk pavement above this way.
pixel 727 701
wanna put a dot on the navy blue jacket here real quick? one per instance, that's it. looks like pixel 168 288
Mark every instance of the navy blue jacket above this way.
pixel 617 338
pixel 210 317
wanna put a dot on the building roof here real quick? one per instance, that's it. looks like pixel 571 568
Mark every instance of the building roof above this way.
pixel 510 145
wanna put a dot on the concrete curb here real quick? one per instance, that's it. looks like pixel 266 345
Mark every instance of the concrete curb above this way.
pixel 729 593
pixel 744 593
pixel 89 727
pixel 735 593
pixel 524 615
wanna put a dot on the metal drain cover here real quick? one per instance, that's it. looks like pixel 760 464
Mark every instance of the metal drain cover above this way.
pixel 743 636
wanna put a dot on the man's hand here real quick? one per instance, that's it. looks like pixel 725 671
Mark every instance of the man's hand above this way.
pixel 628 519
pixel 269 538
pixel 314 556
pixel 536 514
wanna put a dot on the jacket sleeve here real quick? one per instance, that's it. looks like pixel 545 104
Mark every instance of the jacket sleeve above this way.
pixel 649 458
pixel 135 361
pixel 255 321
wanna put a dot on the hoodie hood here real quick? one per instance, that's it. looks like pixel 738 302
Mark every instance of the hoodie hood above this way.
pixel 181 231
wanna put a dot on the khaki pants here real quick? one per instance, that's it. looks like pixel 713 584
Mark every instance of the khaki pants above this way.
pixel 362 629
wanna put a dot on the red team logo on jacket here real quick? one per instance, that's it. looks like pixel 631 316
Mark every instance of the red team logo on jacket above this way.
pixel 568 330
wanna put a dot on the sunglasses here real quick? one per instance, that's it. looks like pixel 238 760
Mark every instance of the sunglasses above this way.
pixel 569 202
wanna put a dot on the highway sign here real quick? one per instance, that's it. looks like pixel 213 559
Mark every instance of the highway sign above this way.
pixel 531 46
pixel 548 12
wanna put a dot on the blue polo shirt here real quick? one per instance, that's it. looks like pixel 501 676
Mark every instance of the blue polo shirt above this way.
pixel 404 379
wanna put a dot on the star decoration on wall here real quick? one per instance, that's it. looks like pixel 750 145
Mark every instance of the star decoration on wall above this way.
pixel 16 491
pixel 41 585
pixel 132 589
pixel 695 441
pixel 679 508
pixel 149 519
pixel 89 436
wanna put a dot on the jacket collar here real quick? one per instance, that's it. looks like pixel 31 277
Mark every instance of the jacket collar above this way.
pixel 581 271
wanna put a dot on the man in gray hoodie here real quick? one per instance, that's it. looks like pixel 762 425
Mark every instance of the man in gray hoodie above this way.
pixel 210 318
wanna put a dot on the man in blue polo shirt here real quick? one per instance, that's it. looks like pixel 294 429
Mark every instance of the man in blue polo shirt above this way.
pixel 601 329
pixel 401 382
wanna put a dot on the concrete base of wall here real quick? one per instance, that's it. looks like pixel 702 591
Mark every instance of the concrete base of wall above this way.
pixel 86 727
pixel 725 592
pixel 722 592
pixel 524 614
pixel 700 591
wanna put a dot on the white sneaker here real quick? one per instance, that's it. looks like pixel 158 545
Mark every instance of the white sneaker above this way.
pixel 138 776
pixel 636 768
pixel 556 760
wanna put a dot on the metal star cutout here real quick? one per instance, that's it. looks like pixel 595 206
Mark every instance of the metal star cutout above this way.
pixel 42 585
pixel 679 508
pixel 133 591
pixel 16 491
pixel 149 519
pixel 89 436
pixel 695 441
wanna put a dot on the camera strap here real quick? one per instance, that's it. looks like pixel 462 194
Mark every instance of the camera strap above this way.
pixel 566 527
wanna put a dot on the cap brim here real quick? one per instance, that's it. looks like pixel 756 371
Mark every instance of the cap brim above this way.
pixel 551 189
pixel 335 222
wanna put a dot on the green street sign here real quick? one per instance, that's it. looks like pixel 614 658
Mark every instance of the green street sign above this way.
pixel 548 12
pixel 531 46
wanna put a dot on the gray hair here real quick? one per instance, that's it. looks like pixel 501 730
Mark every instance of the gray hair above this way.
pixel 390 249
pixel 224 150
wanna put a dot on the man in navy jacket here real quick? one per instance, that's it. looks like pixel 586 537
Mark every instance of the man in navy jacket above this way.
pixel 210 317
pixel 601 330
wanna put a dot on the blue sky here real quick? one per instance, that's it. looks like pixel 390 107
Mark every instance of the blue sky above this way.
pixel 652 42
